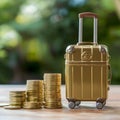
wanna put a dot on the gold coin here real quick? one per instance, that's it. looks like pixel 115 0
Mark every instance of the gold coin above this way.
pixel 41 82
pixel 52 74
pixel 48 101
pixel 12 107
pixel 52 99
pixel 32 93
pixel 52 84
pixel 32 89
pixel 55 104
pixel 15 103
pixel 32 84
pixel 32 99
pixel 41 89
pixel 14 96
pixel 17 92
pixel 53 89
pixel 41 98
pixel 13 100
pixel 4 104
pixel 53 107
pixel 32 81
pixel 41 93
pixel 52 94
pixel 17 95
pixel 50 88
pixel 32 105
pixel 17 98
pixel 52 80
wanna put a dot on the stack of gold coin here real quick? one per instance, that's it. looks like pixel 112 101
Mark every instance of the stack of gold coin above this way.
pixel 34 94
pixel 52 90
pixel 41 92
pixel 16 99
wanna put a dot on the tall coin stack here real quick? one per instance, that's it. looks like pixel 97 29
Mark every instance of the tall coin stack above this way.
pixel 16 99
pixel 52 90
pixel 34 94
pixel 41 92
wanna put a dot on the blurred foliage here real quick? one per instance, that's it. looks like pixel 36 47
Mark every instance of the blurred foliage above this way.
pixel 35 33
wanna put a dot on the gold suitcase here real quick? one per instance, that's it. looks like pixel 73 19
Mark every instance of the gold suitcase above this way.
pixel 87 69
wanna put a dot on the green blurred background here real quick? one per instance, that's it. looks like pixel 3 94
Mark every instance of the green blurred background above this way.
pixel 35 33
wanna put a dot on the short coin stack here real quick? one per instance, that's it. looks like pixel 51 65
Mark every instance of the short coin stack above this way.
pixel 16 99
pixel 34 94
pixel 52 84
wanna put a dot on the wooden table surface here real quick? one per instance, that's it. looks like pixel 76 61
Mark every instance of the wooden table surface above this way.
pixel 87 110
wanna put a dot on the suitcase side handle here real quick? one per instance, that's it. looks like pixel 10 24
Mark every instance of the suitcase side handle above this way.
pixel 90 15
pixel 109 74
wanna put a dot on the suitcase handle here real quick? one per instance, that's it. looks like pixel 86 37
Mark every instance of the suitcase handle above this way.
pixel 90 15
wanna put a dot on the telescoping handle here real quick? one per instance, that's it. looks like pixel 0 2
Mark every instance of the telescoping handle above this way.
pixel 88 15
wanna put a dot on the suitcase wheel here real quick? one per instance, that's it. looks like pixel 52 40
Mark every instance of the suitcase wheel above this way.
pixel 77 103
pixel 100 103
pixel 73 104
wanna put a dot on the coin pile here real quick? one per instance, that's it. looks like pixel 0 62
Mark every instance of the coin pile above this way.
pixel 16 99
pixel 52 84
pixel 38 93
pixel 34 94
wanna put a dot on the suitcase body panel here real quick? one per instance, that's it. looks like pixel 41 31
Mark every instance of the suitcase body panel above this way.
pixel 86 72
